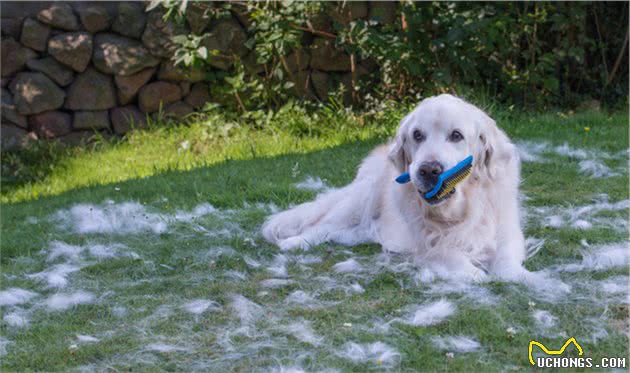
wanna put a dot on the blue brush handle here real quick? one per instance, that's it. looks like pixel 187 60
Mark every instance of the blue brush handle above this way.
pixel 405 178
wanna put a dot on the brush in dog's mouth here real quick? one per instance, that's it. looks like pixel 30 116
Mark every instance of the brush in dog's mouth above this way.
pixel 435 200
pixel 445 186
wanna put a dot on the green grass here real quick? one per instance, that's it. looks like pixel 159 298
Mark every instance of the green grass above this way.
pixel 246 168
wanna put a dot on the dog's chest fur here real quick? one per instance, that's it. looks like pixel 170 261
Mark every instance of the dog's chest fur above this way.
pixel 458 227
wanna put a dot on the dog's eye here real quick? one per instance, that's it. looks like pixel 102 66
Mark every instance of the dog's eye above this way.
pixel 456 136
pixel 418 136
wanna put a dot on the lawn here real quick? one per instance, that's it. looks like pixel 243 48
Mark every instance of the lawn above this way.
pixel 146 255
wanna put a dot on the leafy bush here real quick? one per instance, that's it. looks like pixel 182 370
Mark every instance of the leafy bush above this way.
pixel 532 54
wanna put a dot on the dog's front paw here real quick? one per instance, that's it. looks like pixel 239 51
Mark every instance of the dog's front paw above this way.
pixel 461 271
pixel 473 275
pixel 292 243
pixel 510 274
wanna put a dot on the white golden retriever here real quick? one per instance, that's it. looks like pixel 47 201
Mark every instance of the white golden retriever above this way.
pixel 473 233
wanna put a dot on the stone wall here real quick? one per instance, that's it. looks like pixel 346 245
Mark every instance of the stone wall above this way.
pixel 71 70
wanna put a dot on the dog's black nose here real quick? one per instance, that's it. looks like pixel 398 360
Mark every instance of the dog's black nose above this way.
pixel 430 169
pixel 428 173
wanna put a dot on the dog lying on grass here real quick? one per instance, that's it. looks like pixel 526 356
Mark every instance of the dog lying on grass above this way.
pixel 474 232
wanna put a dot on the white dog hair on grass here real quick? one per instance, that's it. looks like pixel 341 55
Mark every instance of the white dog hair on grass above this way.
pixel 312 183
pixel 567 151
pixel 355 287
pixel 537 284
pixel 377 353
pixel 544 319
pixel 275 283
pixel 16 319
pixel 119 311
pixel 197 212
pixel 596 169
pixel 431 313
pixel 282 369
pixel 615 285
pixel 216 252
pixel 3 345
pixel 13 296
pixel 58 249
pixel 328 284
pixel 379 326
pixel 601 258
pixel 460 343
pixel 607 256
pixel 251 262
pixel 76 257
pixel 120 218
pixel 246 310
pixel 303 332
pixel 307 259
pixel 590 161
pixel 278 267
pixel 64 301
pixel 533 245
pixel 580 217
pixel 235 275
pixel 87 339
pixel 110 251
pixel 347 266
pixel 159 314
pixel 164 347
pixel 55 276
pixel 530 151
pixel 124 218
pixel 269 208
pixel 473 292
pixel 302 299
pixel 199 306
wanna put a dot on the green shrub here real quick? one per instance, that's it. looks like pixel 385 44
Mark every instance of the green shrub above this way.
pixel 533 54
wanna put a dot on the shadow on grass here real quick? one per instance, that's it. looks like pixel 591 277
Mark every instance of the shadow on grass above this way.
pixel 225 185
pixel 38 160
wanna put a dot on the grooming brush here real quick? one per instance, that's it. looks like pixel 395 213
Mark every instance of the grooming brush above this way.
pixel 446 181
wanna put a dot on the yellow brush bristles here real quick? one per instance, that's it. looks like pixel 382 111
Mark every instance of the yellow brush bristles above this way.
pixel 449 185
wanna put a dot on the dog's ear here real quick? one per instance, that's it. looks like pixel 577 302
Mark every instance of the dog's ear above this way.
pixel 495 149
pixel 397 149
pixel 486 150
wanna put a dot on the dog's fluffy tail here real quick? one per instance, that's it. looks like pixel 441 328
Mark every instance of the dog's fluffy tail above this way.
pixel 294 221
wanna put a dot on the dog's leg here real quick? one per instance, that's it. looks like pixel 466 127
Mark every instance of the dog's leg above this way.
pixel 342 215
pixel 307 239
pixel 333 216
pixel 319 233
pixel 508 262
pixel 342 225
pixel 511 252
pixel 458 268
pixel 295 221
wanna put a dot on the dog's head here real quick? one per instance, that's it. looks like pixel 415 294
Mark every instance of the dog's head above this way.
pixel 442 131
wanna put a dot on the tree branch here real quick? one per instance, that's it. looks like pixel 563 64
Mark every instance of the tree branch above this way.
pixel 618 60
pixel 316 32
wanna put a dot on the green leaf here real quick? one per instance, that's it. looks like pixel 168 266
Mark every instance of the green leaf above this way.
pixel 188 58
pixel 180 39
